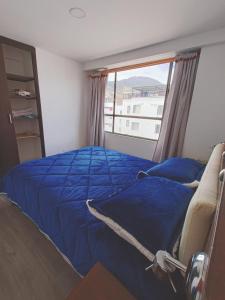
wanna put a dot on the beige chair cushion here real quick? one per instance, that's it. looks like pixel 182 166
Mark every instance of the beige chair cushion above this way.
pixel 201 209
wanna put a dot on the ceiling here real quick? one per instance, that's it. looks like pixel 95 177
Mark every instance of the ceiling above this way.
pixel 110 27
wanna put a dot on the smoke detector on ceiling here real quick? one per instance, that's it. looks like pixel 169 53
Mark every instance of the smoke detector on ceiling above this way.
pixel 77 12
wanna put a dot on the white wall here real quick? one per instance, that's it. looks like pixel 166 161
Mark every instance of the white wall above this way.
pixel 60 82
pixel 134 146
pixel 65 109
pixel 206 124
pixel 160 49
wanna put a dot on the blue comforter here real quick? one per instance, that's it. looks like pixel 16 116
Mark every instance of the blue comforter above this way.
pixel 53 191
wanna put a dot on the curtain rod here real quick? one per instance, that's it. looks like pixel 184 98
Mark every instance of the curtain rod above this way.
pixel 141 65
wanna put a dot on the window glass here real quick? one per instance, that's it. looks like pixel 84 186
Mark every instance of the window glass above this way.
pixel 134 101
pixel 141 91
pixel 137 127
pixel 160 110
pixel 108 123
pixel 109 94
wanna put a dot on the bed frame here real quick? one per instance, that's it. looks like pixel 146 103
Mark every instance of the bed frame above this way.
pixel 214 288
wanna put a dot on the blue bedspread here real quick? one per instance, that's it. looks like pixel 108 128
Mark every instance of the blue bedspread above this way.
pixel 53 191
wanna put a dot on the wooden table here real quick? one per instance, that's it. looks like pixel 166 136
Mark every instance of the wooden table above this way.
pixel 99 284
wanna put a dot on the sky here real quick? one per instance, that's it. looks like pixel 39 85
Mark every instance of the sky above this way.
pixel 158 72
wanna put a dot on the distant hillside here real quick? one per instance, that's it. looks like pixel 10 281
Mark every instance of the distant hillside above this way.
pixel 138 81
pixel 135 81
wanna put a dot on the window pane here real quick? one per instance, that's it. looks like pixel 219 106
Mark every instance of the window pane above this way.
pixel 172 73
pixel 108 126
pixel 141 92
pixel 160 111
pixel 109 94
pixel 145 128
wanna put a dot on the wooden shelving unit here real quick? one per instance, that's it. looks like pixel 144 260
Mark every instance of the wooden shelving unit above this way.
pixel 26 117
pixel 26 135
pixel 16 97
pixel 20 78
pixel 21 130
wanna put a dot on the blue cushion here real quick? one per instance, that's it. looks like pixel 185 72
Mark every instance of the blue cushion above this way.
pixel 152 211
pixel 179 169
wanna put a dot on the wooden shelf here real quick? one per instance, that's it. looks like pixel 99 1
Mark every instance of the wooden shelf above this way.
pixel 15 77
pixel 30 135
pixel 27 117
pixel 20 110
pixel 15 97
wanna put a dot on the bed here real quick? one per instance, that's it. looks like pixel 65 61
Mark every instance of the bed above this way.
pixel 53 193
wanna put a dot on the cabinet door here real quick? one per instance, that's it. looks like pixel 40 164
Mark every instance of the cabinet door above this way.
pixel 8 144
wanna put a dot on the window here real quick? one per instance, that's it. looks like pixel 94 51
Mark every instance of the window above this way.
pixel 135 99
pixel 136 108
pixel 135 126
pixel 157 128
pixel 160 110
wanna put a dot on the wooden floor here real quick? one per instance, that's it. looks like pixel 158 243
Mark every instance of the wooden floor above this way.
pixel 30 267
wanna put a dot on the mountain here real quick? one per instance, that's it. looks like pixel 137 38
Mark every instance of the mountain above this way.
pixel 138 81
pixel 135 81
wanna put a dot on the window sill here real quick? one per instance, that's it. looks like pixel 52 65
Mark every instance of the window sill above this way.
pixel 131 136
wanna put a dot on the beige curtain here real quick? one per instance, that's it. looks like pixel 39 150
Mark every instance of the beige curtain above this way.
pixel 97 86
pixel 177 107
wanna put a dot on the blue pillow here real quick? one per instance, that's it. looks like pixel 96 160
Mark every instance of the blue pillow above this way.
pixel 151 211
pixel 179 169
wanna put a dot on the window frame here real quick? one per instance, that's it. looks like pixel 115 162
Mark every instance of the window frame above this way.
pixel 114 115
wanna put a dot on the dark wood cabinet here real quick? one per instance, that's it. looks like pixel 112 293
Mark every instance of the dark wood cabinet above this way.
pixel 21 130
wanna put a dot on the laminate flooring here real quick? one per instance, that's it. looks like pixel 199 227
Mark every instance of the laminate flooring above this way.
pixel 31 268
